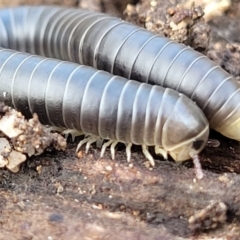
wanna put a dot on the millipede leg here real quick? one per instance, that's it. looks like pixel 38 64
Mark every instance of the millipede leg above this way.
pixel 148 155
pixel 73 132
pixel 91 140
pixel 54 128
pixel 81 143
pixel 161 151
pixel 213 143
pixel 112 149
pixel 104 146
pixel 128 151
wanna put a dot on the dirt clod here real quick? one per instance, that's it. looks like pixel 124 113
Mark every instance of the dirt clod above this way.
pixel 188 26
pixel 24 137
pixel 209 217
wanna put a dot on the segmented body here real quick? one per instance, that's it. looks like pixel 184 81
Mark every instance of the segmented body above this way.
pixel 121 48
pixel 65 94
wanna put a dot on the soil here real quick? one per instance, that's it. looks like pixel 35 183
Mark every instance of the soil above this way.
pixel 60 196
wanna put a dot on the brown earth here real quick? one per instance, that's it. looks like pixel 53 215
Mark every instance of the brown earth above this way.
pixel 59 196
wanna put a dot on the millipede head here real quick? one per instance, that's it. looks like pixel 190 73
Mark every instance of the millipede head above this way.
pixel 189 148
pixel 185 132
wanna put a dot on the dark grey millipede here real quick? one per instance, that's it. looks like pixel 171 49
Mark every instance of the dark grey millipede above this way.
pixel 102 105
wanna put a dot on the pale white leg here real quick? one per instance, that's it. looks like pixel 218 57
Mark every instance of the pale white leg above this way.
pixel 54 128
pixel 73 132
pixel 128 151
pixel 91 140
pixel 213 143
pixel 148 155
pixel 112 149
pixel 161 151
pixel 104 146
pixel 86 140
pixel 81 143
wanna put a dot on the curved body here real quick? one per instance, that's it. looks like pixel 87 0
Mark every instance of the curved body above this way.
pixel 121 48
pixel 65 94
